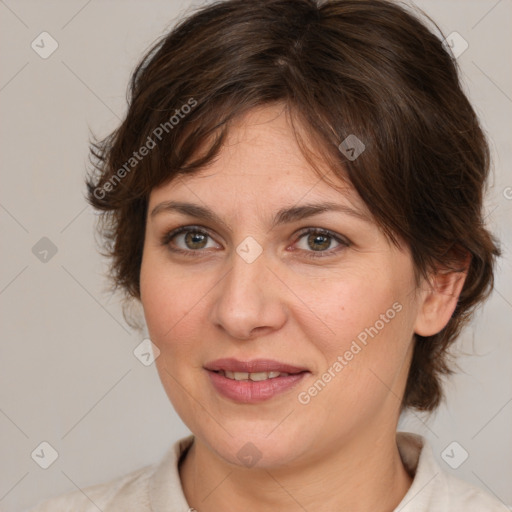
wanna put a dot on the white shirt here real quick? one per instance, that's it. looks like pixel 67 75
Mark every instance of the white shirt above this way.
pixel 157 488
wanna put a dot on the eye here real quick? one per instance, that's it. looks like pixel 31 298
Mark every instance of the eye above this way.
pixel 189 239
pixel 320 241
pixel 314 242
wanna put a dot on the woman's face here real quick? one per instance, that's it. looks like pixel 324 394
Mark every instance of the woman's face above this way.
pixel 262 277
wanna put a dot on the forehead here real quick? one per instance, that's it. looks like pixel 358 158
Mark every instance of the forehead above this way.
pixel 262 161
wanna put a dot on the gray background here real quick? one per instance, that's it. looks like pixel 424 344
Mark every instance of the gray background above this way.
pixel 68 375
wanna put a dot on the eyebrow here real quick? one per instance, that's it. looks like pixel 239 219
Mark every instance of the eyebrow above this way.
pixel 283 216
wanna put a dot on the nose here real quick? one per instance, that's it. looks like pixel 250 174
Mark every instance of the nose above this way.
pixel 247 302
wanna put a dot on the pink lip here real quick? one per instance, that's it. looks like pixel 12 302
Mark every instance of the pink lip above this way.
pixel 247 391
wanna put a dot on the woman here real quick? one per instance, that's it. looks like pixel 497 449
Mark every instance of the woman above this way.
pixel 295 197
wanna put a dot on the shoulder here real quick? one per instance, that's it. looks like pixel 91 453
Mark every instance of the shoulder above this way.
pixel 128 492
pixel 468 498
pixel 155 487
pixel 432 488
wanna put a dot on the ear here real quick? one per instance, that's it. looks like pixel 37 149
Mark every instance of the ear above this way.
pixel 440 294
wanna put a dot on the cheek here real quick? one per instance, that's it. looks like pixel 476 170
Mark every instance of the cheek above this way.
pixel 348 304
pixel 171 303
pixel 169 296
pixel 170 324
pixel 175 307
pixel 365 351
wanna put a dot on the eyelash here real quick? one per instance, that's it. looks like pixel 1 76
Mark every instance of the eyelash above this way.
pixel 167 238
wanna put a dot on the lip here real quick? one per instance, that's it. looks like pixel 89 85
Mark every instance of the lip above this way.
pixel 252 366
pixel 251 392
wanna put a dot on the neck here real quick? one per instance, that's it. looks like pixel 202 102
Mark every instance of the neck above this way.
pixel 366 475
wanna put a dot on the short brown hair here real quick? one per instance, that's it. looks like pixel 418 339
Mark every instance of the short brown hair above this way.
pixel 367 68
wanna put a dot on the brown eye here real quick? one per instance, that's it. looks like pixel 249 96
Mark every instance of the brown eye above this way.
pixel 189 239
pixel 195 240
pixel 320 241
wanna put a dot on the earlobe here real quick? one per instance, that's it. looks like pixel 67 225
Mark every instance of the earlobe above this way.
pixel 439 299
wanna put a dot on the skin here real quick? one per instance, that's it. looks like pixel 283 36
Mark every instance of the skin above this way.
pixel 337 452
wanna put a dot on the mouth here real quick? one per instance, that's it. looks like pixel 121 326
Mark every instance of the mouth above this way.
pixel 253 376
pixel 253 366
pixel 253 381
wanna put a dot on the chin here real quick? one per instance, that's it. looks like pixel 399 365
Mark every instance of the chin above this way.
pixel 252 448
